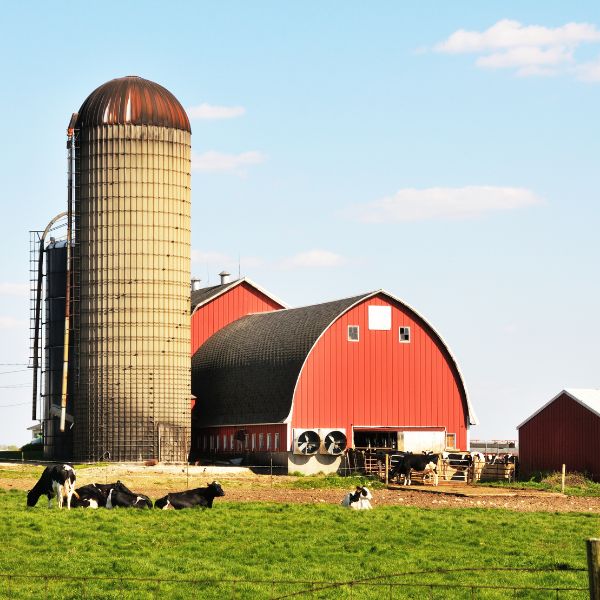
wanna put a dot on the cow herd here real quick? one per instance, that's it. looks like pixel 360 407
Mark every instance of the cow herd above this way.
pixel 58 481
pixel 449 465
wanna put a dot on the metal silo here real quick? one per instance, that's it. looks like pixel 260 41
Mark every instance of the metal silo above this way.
pixel 131 274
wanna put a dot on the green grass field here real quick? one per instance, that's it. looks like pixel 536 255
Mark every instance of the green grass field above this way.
pixel 284 542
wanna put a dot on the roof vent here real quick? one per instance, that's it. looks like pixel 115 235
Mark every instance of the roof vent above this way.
pixel 224 275
pixel 195 283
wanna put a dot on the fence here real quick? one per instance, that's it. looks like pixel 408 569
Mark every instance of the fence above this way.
pixel 418 585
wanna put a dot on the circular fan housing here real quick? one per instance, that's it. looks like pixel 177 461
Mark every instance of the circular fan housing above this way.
pixel 335 442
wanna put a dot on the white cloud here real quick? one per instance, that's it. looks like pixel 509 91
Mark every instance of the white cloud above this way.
pixel 212 161
pixel 14 289
pixel 411 204
pixel 313 259
pixel 210 112
pixel 529 50
pixel 526 56
pixel 511 34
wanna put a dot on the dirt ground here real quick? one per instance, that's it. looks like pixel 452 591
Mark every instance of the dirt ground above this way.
pixel 242 485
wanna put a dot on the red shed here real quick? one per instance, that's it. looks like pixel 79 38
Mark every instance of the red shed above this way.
pixel 566 430
pixel 298 385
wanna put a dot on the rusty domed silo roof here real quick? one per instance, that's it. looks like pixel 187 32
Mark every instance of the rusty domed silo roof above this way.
pixel 135 101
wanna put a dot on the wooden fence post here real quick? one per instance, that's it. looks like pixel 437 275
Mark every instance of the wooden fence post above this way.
pixel 593 558
pixel 562 479
pixel 387 469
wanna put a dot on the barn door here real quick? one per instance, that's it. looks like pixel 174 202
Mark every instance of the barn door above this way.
pixel 173 443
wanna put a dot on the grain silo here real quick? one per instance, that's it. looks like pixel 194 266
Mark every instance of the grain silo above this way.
pixel 131 274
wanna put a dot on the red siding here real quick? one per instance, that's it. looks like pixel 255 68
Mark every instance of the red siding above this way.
pixel 379 381
pixel 240 300
pixel 565 432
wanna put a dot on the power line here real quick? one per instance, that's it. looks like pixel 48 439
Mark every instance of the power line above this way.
pixel 13 364
pixel 10 405
pixel 16 371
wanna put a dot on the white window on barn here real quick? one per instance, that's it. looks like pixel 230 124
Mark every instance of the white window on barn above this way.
pixel 404 335
pixel 212 442
pixel 261 441
pixel 253 441
pixel 451 441
pixel 380 318
pixel 246 438
pixel 224 442
pixel 276 445
pixel 231 444
pixel 353 333
pixel 268 442
pixel 217 442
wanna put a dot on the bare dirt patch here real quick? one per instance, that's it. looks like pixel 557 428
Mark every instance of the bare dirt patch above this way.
pixel 242 485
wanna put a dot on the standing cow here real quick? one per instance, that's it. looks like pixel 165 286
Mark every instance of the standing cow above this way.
pixel 56 480
pixel 426 463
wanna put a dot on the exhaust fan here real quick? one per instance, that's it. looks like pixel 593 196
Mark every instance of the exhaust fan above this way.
pixel 306 441
pixel 333 442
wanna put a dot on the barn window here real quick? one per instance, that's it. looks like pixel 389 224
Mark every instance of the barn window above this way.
pixel 404 335
pixel 231 445
pixel 450 440
pixel 353 333
pixel 224 443
pixel 212 442
pixel 204 442
pixel 246 438
pixel 380 318
pixel 217 442
pixel 268 441
pixel 261 441
pixel 253 441
pixel 276 445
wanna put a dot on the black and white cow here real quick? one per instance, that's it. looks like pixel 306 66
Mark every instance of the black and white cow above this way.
pixel 427 463
pixel 95 495
pixel 202 497
pixel 56 480
pixel 118 498
pixel 359 499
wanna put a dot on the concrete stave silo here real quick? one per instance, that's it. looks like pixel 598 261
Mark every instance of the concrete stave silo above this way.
pixel 131 264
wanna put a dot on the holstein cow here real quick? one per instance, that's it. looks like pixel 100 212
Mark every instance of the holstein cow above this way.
pixel 56 480
pixel 427 463
pixel 118 498
pixel 359 499
pixel 199 497
pixel 96 495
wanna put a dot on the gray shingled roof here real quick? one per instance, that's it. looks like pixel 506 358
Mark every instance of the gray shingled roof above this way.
pixel 202 295
pixel 251 366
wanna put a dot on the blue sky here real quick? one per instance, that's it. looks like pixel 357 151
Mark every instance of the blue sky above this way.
pixel 446 152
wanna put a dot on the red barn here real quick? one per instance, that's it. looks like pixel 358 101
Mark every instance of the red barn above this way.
pixel 566 430
pixel 299 385
pixel 215 307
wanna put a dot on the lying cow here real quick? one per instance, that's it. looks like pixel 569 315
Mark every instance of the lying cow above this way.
pixel 56 480
pixel 426 463
pixel 359 499
pixel 202 497
pixel 118 498
pixel 110 495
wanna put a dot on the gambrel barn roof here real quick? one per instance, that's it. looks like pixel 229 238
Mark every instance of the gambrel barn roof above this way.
pixel 247 372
